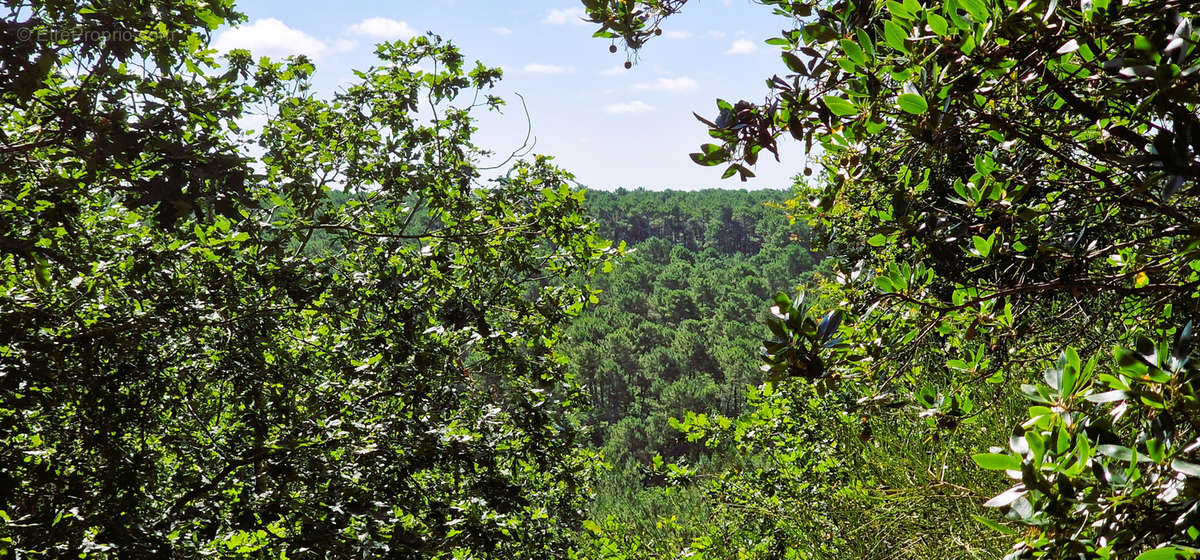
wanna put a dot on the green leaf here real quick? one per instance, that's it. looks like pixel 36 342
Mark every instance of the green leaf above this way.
pixel 884 284
pixel 895 35
pixel 783 301
pixel 853 51
pixel 937 23
pixel 976 8
pixel 982 246
pixel 711 154
pixel 898 10
pixel 997 461
pixel 968 45
pixel 912 103
pixel 210 19
pixel 592 526
pixel 992 525
pixel 839 106
pixel 877 240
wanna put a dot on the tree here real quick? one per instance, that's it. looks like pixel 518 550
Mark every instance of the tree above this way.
pixel 1003 181
pixel 182 374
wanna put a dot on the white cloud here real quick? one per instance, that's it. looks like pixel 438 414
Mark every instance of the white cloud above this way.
pixel 677 34
pixel 628 108
pixel 270 37
pixel 716 34
pixel 382 28
pixel 344 45
pixel 568 15
pixel 682 84
pixel 535 68
pixel 742 46
pixel 614 71
pixel 502 30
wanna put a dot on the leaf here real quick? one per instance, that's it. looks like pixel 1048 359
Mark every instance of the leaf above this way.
pixel 982 246
pixel 592 526
pixel 992 525
pixel 895 35
pixel 1007 497
pixel 1069 377
pixel 912 103
pixel 853 51
pixel 829 324
pixel 706 122
pixel 1119 452
pixel 212 20
pixel 1190 469
pixel 1068 47
pixel 937 23
pixel 794 63
pixel 884 284
pixel 976 8
pixel 839 106
pixel 1054 378
pixel 898 10
pixel 997 461
pixel 1017 443
pixel 1141 280
pixel 1182 349
pixel 1108 396
pixel 782 300
pixel 877 240
pixel 1031 392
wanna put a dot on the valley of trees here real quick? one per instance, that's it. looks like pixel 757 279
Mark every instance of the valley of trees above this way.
pixel 967 331
pixel 677 325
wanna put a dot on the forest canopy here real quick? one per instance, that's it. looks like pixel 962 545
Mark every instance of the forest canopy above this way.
pixel 1011 190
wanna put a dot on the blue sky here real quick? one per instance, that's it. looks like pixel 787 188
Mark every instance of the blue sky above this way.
pixel 609 126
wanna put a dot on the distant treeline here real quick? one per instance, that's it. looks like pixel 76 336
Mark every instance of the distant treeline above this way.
pixel 728 221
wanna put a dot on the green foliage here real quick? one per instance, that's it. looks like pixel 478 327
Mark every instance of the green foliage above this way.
pixel 796 349
pixel 1004 181
pixel 1132 464
pixel 674 333
pixel 182 374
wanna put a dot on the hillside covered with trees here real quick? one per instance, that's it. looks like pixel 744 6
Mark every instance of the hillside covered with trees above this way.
pixel 678 325
pixel 968 331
